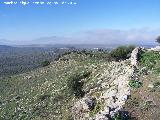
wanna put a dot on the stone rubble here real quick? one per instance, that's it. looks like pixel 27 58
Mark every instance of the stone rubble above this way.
pixel 134 56
pixel 116 92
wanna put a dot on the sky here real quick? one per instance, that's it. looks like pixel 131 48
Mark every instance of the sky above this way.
pixel 97 21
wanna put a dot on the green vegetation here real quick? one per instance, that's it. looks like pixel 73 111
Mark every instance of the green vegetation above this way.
pixel 135 84
pixel 146 105
pixel 75 83
pixel 15 60
pixel 117 117
pixel 49 92
pixel 151 60
pixel 156 86
pixel 145 100
pixel 98 106
pixel 122 52
pixel 45 63
pixel 121 115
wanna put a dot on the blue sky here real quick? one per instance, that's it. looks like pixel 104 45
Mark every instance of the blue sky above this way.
pixel 29 22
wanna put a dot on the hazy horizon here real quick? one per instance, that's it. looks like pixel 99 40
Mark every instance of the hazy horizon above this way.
pixel 86 22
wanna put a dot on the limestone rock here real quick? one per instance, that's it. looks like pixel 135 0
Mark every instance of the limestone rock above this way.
pixel 134 56
pixel 114 90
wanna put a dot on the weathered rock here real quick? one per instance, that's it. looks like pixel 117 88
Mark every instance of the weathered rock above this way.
pixel 81 107
pixel 134 56
pixel 115 90
pixel 90 102
pixel 151 85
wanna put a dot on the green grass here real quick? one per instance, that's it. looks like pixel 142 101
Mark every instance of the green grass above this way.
pixel 49 92
pixel 156 86
pixel 146 105
pixel 135 84
pixel 98 106
pixel 46 94
pixel 151 60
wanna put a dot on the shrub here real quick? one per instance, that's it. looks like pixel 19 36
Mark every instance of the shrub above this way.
pixel 44 97
pixel 45 63
pixel 121 115
pixel 150 60
pixel 122 52
pixel 117 117
pixel 96 109
pixel 135 84
pixel 147 105
pixel 75 84
pixel 156 86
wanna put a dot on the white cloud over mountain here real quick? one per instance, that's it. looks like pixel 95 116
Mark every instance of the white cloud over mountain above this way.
pixel 101 36
pixel 111 36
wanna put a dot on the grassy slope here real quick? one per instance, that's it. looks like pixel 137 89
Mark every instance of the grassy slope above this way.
pixel 144 103
pixel 43 93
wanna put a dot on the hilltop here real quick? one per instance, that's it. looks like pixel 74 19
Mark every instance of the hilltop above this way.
pixel 85 85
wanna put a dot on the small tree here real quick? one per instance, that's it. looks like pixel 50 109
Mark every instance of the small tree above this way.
pixel 45 63
pixel 158 39
pixel 122 52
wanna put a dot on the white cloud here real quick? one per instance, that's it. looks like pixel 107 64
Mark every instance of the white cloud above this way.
pixel 144 36
pixel 112 36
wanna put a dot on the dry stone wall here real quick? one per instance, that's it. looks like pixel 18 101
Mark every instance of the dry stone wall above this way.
pixel 115 90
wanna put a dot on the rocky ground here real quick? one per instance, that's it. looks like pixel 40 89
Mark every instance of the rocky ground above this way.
pixel 86 86
pixel 113 91
pixel 144 102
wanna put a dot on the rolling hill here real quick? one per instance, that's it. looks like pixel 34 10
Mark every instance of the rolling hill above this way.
pixel 84 85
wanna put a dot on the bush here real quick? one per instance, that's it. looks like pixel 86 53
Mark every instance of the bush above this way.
pixel 150 60
pixel 97 107
pixel 75 84
pixel 45 63
pixel 122 52
pixel 44 97
pixel 117 117
pixel 135 84
pixel 156 87
pixel 122 115
pixel 147 105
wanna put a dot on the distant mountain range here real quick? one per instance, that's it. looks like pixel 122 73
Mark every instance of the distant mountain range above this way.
pixel 60 42
pixel 5 42
pixel 5 48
